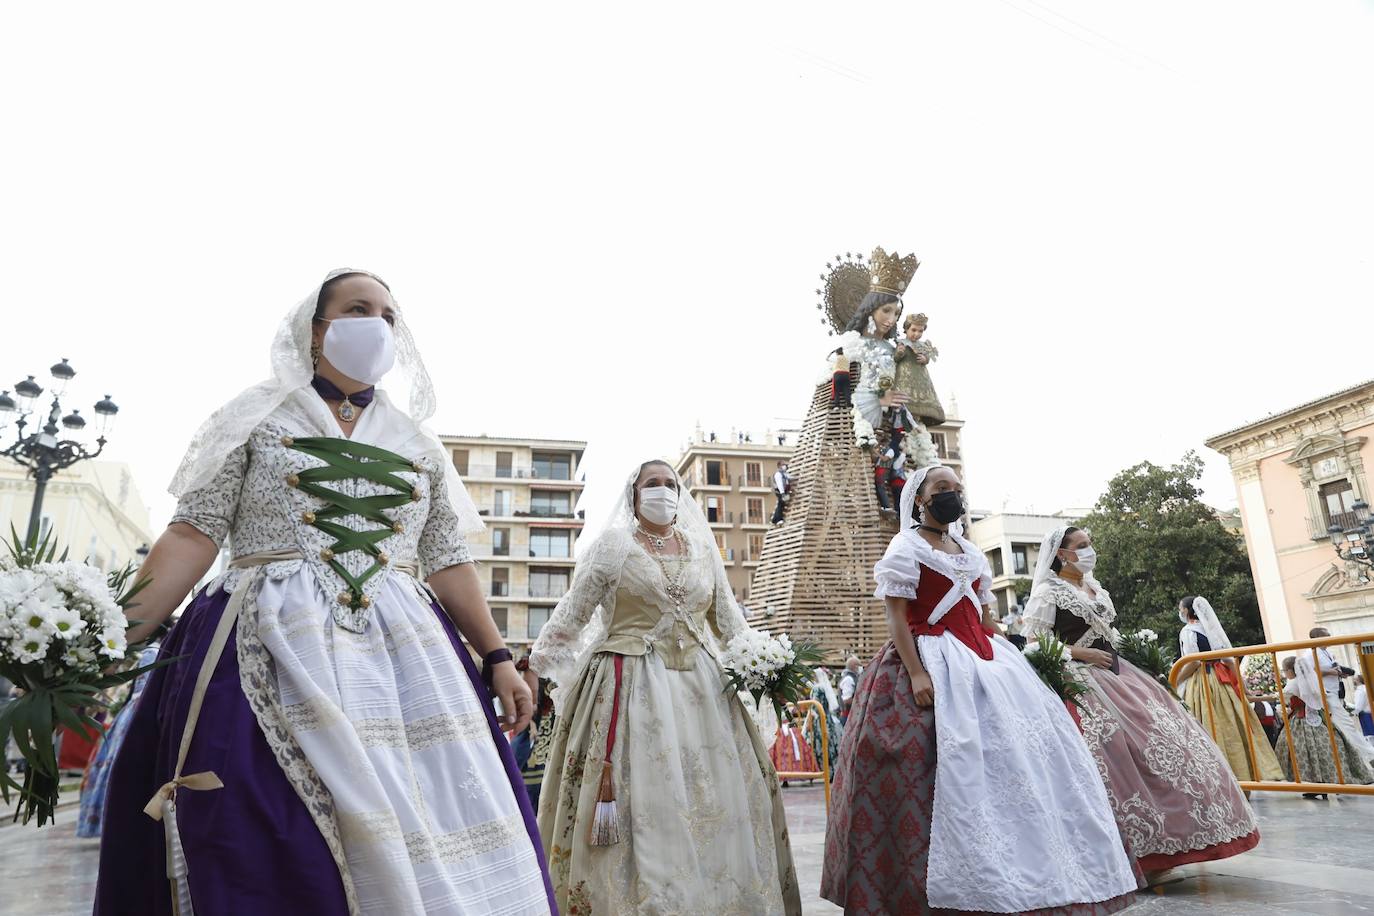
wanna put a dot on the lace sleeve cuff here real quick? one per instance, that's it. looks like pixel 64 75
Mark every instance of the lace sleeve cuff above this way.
pixel 894 589
pixel 211 509
pixel 441 543
pixel 898 573
pixel 435 556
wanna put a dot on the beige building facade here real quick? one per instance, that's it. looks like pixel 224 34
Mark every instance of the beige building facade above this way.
pixel 1011 542
pixel 93 509
pixel 527 491
pixel 1297 473
pixel 731 480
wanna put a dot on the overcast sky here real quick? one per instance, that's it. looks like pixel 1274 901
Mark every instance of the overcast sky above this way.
pixel 1140 224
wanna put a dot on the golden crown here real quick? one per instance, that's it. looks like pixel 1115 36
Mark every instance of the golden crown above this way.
pixel 890 273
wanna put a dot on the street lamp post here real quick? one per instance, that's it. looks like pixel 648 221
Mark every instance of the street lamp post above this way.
pixel 41 451
pixel 1355 544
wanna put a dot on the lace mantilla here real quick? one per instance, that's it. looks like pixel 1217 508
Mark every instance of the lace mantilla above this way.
pixel 615 561
pixel 1097 612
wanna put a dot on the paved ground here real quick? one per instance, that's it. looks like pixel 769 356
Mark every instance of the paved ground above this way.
pixel 1316 857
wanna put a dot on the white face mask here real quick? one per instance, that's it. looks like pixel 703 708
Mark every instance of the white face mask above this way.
pixel 658 505
pixel 361 348
pixel 1087 559
pixel 1183 617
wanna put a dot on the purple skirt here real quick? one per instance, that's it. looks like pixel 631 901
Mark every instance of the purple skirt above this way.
pixel 251 847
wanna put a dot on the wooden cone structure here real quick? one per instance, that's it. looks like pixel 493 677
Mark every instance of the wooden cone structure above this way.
pixel 815 579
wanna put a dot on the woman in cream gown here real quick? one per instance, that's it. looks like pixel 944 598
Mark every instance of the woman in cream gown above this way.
pixel 659 797
pixel 1215 695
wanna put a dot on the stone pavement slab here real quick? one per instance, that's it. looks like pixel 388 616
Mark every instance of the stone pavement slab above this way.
pixel 1315 857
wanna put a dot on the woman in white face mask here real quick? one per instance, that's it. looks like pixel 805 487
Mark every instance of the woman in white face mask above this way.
pixel 1170 788
pixel 324 744
pixel 1216 695
pixel 658 794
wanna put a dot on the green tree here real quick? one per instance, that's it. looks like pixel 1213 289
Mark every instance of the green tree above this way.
pixel 1157 542
pixel 1021 586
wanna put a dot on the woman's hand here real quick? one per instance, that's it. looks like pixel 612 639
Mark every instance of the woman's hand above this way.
pixel 1098 658
pixel 517 705
pixel 922 687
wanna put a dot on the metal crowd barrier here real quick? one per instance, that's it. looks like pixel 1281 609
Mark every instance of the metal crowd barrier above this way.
pixel 814 710
pixel 1365 648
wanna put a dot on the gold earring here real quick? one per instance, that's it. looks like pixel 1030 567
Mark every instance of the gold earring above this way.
pixel 314 354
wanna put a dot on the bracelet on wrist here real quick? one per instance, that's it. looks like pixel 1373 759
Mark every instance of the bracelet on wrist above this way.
pixel 491 660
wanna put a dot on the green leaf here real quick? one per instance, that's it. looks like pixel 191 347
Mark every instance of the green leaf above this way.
pixel 43 728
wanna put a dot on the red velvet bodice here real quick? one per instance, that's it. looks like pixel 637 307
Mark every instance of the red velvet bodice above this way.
pixel 964 620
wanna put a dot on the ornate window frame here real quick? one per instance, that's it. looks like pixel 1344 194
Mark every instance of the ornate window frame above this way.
pixel 1326 458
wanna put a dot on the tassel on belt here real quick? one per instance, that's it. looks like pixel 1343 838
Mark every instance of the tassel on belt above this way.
pixel 606 820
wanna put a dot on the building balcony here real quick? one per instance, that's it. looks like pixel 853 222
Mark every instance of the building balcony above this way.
pixel 496 473
pixel 517 554
pixel 523 596
pixel 508 514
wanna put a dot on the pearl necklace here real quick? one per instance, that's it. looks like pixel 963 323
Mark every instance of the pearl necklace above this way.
pixel 676 590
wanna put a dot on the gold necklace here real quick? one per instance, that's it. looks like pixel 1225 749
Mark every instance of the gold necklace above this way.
pixel 677 592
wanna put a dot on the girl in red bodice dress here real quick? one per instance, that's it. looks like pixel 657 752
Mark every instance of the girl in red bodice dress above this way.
pixel 962 781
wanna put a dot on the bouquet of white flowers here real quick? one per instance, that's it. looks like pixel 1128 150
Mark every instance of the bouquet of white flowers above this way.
pixel 1143 650
pixel 61 628
pixel 760 665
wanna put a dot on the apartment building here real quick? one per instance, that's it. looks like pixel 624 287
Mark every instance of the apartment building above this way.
pixel 527 490
pixel 730 478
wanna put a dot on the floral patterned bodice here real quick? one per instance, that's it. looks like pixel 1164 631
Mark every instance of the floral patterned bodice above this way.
pixel 637 615
pixel 1091 617
pixel 253 503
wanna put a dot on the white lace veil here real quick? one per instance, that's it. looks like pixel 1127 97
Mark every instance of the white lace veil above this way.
pixel 828 688
pixel 909 490
pixel 609 552
pixel 1040 612
pixel 292 369
pixel 1211 626
pixel 1308 686
pixel 691 521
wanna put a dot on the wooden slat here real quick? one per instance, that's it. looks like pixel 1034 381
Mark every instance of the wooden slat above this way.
pixel 815 580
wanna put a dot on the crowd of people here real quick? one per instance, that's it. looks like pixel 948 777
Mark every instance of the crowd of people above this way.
pixel 324 742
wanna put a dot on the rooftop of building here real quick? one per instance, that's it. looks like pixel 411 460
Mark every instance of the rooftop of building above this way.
pixel 532 441
pixel 779 442
pixel 1307 407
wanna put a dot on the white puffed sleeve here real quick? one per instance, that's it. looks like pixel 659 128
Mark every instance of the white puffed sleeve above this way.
pixel 985 596
pixel 899 571
pixel 562 640
pixel 1037 618
pixel 211 509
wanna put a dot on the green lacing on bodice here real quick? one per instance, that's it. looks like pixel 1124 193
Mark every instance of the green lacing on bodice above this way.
pixel 348 460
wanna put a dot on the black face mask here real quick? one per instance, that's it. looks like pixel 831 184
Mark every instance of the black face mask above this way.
pixel 946 507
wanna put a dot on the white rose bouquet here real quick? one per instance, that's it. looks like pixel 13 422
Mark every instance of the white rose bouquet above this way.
pixel 1142 649
pixel 763 665
pixel 62 627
